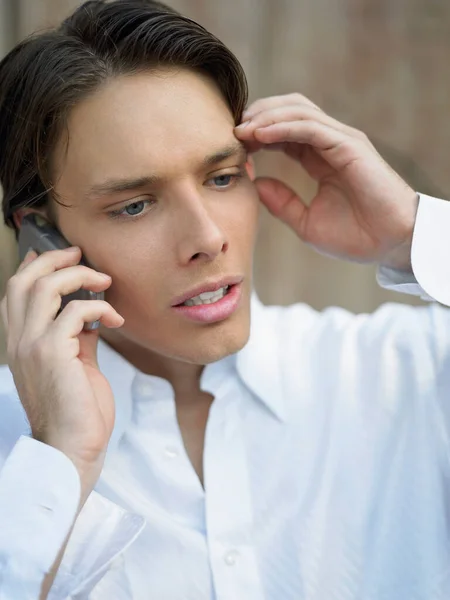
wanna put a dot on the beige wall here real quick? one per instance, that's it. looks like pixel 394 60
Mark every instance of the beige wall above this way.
pixel 378 65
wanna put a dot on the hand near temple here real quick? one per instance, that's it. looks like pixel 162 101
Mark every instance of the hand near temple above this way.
pixel 363 210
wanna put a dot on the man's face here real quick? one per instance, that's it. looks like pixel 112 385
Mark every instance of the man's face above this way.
pixel 190 219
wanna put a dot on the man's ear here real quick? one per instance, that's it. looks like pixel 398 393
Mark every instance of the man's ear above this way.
pixel 250 167
pixel 22 212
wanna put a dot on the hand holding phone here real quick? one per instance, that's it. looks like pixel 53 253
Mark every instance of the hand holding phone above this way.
pixel 39 235
pixel 68 401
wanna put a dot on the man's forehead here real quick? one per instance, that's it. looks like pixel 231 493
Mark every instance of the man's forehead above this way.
pixel 180 97
pixel 154 108
pixel 111 137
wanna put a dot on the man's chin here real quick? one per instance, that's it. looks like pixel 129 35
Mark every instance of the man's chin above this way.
pixel 217 347
pixel 199 345
pixel 208 344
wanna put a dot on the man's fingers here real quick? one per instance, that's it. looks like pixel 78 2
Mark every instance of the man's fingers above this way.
pixel 277 101
pixel 336 148
pixel 70 323
pixel 19 285
pixel 45 297
pixel 320 136
pixel 290 113
pixel 282 202
pixel 29 257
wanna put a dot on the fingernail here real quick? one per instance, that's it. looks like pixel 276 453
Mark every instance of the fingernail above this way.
pixel 242 125
pixel 105 276
pixel 72 249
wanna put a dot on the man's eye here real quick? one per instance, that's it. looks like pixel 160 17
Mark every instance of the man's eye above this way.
pixel 134 209
pixel 225 181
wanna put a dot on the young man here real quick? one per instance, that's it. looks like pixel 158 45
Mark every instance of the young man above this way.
pixel 185 454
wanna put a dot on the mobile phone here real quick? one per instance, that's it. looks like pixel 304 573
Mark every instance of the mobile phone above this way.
pixel 38 234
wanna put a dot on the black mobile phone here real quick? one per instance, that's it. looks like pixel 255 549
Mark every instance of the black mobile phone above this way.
pixel 38 234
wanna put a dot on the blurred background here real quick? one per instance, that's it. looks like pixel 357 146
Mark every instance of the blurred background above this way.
pixel 378 65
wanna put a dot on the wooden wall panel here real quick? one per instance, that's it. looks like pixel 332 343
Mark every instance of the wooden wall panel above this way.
pixel 380 66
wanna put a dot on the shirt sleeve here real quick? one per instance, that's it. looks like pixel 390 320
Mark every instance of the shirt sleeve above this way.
pixel 429 255
pixel 39 498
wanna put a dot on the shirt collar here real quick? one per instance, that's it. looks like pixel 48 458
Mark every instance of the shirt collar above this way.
pixel 257 364
pixel 120 373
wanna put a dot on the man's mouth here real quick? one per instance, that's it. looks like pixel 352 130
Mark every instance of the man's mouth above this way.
pixel 207 297
pixel 211 302
pixel 208 292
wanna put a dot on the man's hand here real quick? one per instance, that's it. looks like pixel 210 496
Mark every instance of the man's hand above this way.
pixel 69 403
pixel 363 210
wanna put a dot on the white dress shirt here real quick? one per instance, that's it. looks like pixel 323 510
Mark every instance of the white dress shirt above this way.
pixel 326 464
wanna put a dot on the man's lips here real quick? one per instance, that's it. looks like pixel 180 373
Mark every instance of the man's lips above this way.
pixel 207 286
pixel 212 312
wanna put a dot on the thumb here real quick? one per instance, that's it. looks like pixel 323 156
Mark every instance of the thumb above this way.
pixel 282 202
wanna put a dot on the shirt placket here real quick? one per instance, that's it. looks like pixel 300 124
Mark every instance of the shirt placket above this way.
pixel 228 503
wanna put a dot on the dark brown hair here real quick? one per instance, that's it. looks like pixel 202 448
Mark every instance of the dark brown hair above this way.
pixel 46 75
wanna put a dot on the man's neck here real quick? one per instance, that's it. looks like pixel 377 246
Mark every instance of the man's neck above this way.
pixel 183 377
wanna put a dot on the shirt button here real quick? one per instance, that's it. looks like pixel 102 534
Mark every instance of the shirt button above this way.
pixel 171 452
pixel 230 557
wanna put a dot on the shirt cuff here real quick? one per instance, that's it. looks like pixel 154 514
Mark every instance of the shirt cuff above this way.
pixel 39 497
pixel 430 255
pixel 102 532
pixel 401 282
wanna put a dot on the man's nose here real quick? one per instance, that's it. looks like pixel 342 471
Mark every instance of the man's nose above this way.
pixel 199 233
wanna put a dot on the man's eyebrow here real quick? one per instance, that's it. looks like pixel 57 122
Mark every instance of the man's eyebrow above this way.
pixel 115 186
pixel 237 149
